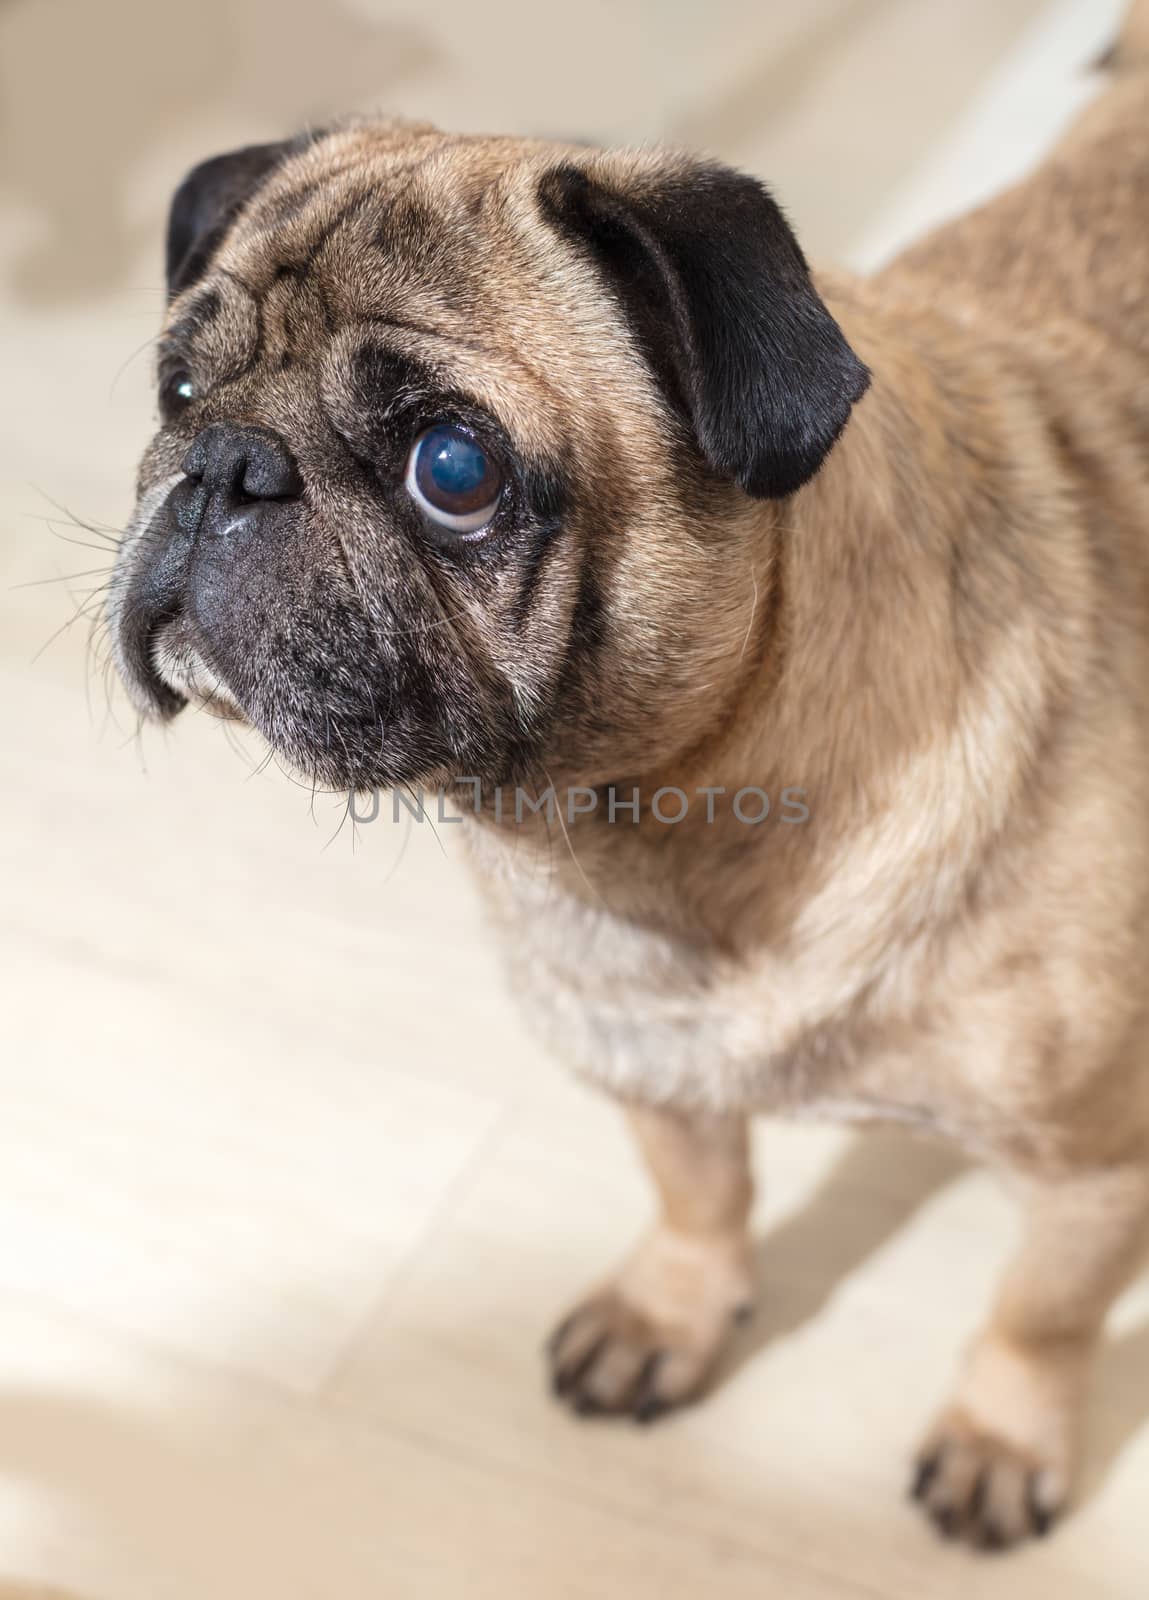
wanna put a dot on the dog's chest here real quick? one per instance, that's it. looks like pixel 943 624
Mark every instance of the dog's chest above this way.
pixel 655 1018
pixel 637 1012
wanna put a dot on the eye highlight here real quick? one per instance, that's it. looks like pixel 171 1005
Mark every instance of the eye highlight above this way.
pixel 177 391
pixel 452 479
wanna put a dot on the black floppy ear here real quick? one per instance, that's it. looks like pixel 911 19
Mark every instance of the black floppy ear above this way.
pixel 208 201
pixel 721 299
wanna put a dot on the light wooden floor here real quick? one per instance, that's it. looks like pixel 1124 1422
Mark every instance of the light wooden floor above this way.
pixel 287 1201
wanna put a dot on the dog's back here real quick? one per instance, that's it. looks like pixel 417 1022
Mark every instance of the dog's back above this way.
pixel 1071 243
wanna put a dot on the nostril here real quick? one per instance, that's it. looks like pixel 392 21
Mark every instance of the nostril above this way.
pixel 194 463
pixel 270 472
pixel 243 463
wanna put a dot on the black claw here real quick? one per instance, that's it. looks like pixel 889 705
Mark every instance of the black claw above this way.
pixel 946 1521
pixel 567 1381
pixel 554 1342
pixel 648 1403
pixel 991 1537
pixel 978 1494
pixel 924 1475
pixel 743 1314
pixel 650 1410
pixel 1042 1519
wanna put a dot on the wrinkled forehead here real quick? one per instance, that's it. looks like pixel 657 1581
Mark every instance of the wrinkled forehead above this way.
pixel 387 225
pixel 428 246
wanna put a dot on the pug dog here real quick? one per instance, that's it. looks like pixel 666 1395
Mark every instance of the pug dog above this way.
pixel 491 464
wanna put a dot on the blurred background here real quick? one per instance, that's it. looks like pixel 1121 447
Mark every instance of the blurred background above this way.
pixel 288 1201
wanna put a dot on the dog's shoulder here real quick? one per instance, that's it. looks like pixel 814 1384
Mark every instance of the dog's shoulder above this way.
pixel 1068 243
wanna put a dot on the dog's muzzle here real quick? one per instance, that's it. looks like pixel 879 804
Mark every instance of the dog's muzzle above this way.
pixel 198 565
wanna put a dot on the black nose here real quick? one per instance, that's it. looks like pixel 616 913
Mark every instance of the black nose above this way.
pixel 240 464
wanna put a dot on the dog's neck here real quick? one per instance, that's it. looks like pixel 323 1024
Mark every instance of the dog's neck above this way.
pixel 914 574
pixel 905 587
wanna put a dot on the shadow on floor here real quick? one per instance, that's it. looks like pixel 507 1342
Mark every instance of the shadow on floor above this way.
pixel 817 1248
pixel 178 1493
pixel 1120 1405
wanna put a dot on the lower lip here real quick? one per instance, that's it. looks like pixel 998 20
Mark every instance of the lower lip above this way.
pixel 166 698
pixel 188 672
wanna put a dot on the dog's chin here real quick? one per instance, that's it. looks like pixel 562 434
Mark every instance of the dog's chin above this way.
pixel 179 664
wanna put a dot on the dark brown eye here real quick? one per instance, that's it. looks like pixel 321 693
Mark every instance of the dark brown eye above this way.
pixel 177 391
pixel 452 479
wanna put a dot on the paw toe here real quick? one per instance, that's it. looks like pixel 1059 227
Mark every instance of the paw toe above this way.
pixel 606 1359
pixel 978 1488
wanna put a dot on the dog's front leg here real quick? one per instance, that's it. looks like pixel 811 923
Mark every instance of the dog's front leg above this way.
pixel 649 1338
pixel 999 1464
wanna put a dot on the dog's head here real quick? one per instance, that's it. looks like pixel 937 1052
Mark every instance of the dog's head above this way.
pixel 460 440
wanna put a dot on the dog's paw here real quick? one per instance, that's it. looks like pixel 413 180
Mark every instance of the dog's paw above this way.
pixel 607 1358
pixel 650 1341
pixel 977 1487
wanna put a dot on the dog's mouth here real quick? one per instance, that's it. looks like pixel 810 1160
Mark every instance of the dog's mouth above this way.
pixel 164 660
pixel 140 639
pixel 169 668
pixel 179 664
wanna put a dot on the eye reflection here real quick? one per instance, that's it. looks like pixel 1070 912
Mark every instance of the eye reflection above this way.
pixel 177 391
pixel 451 478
